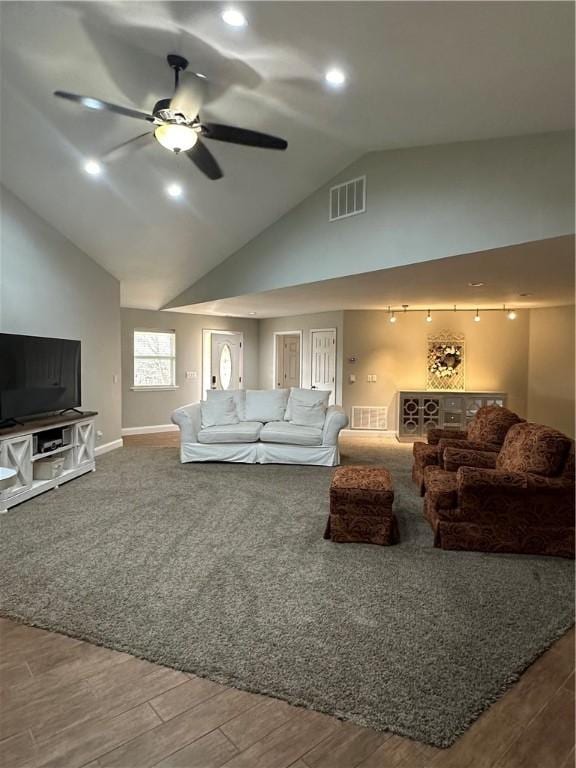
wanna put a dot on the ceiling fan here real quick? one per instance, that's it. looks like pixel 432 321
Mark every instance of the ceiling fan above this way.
pixel 177 123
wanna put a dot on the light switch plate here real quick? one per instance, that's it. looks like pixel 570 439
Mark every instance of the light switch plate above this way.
pixel 191 374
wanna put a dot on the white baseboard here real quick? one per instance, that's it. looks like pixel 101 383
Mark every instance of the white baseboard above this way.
pixel 150 430
pixel 368 432
pixel 107 447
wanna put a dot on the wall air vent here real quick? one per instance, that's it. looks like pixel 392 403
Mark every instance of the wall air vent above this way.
pixel 348 199
pixel 369 417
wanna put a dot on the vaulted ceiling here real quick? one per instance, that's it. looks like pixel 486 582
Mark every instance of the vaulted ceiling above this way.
pixel 418 73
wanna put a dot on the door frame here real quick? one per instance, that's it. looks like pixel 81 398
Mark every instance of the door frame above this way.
pixel 207 334
pixel 275 354
pixel 316 330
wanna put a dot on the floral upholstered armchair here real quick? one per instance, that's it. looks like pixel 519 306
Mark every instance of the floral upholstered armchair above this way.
pixel 486 432
pixel 520 500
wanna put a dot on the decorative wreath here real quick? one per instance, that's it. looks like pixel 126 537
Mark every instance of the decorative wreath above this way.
pixel 445 359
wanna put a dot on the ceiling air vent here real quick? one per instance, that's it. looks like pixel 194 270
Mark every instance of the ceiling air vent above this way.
pixel 348 199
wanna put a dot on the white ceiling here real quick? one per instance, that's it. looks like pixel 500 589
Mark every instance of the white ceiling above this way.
pixel 419 73
pixel 543 269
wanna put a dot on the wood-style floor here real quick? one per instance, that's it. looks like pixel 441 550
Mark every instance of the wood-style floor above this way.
pixel 67 704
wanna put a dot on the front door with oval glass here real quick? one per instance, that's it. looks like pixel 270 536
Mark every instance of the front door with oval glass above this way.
pixel 225 358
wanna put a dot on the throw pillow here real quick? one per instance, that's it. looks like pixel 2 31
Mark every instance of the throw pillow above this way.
pixel 218 412
pixel 308 414
pixel 239 396
pixel 310 396
pixel 265 404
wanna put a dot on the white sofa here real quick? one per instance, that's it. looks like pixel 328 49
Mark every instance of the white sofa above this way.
pixel 260 441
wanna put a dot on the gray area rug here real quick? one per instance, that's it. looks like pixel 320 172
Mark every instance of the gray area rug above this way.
pixel 222 570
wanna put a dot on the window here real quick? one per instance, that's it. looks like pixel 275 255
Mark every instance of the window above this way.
pixel 154 358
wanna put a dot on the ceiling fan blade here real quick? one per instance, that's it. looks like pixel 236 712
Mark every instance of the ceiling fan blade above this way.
pixel 205 161
pixel 144 140
pixel 189 95
pixel 91 103
pixel 242 136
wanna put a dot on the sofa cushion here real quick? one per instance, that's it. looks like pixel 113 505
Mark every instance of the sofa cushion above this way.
pixel 307 414
pixel 534 448
pixel 239 396
pixel 441 488
pixel 309 396
pixel 290 434
pixel 219 412
pixel 265 404
pixel 243 432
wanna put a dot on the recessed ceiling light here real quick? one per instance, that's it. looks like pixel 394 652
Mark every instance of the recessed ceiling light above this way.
pixel 234 18
pixel 251 313
pixel 92 168
pixel 174 190
pixel 199 74
pixel 335 77
pixel 479 284
pixel 524 295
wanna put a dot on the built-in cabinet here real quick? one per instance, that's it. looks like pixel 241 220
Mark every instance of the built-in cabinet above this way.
pixel 419 411
pixel 19 451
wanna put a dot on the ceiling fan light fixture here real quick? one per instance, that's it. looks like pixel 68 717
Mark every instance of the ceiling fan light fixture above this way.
pixel 176 138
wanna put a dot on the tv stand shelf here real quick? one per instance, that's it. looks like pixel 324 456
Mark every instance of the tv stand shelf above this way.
pixel 17 451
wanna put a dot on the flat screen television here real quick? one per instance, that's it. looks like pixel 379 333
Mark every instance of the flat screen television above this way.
pixel 38 375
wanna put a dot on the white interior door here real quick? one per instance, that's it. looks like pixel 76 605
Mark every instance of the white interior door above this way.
pixel 226 361
pixel 323 368
pixel 287 360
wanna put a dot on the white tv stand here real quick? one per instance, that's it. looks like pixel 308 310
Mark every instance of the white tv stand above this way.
pixel 17 451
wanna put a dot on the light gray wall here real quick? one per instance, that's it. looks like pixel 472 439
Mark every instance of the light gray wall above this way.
pixel 48 287
pixel 141 409
pixel 422 203
pixel 304 323
pixel 496 355
pixel 551 368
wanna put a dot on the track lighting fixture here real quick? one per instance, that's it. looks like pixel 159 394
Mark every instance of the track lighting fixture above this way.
pixel 510 314
pixel 392 318
pixel 477 317
pixel 428 317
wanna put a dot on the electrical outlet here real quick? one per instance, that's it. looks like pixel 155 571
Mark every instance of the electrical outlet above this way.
pixel 191 374
pixel 352 378
pixel 115 378
pixel 99 434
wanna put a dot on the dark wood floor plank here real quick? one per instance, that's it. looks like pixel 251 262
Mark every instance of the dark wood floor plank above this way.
pixel 288 743
pixel 186 696
pixel 57 706
pixel 176 733
pixel 210 751
pixel 14 674
pixel 569 684
pixel 548 741
pixel 17 751
pixel 85 742
pixel 127 693
pixel 347 747
pixel 396 751
pixel 251 726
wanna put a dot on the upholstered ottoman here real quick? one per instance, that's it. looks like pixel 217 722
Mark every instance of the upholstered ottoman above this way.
pixel 361 501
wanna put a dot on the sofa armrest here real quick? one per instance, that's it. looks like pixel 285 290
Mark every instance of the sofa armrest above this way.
pixel 189 419
pixel 454 458
pixel 336 420
pixel 435 434
pixel 491 480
